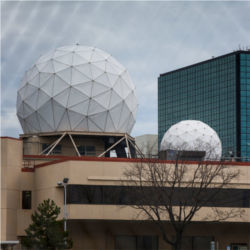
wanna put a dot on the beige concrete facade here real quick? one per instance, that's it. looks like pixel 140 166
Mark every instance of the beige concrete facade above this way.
pixel 34 144
pixel 11 164
pixel 94 226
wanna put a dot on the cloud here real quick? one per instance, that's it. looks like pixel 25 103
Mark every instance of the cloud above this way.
pixel 147 127
pixel 9 122
pixel 148 38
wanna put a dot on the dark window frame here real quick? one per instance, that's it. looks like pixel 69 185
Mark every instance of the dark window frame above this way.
pixel 57 150
pixel 140 241
pixel 26 199
pixel 124 195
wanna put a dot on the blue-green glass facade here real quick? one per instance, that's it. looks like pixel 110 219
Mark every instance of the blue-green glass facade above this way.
pixel 245 104
pixel 216 92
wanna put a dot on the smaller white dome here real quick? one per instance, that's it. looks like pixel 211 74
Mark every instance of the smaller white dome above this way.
pixel 192 135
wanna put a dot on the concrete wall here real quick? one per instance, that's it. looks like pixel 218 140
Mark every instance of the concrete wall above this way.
pixel 24 215
pixel 105 173
pixel 11 164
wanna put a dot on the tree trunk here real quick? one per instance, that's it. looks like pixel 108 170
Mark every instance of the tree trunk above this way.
pixel 178 240
pixel 177 246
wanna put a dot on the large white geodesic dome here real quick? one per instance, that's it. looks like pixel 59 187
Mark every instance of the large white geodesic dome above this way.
pixel 76 88
pixel 192 135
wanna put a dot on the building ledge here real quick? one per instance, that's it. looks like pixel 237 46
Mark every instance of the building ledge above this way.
pixel 9 242
pixel 11 138
pixel 60 158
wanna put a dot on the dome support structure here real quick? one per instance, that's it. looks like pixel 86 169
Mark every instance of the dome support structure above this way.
pixel 53 145
pixel 128 144
pixel 108 150
pixel 122 144
pixel 136 148
pixel 74 144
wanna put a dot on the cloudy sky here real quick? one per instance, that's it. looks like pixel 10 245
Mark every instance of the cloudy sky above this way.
pixel 148 38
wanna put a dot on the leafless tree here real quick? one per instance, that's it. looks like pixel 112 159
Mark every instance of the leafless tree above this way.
pixel 176 192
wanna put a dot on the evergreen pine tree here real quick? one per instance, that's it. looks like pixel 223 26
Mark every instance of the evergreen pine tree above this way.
pixel 45 231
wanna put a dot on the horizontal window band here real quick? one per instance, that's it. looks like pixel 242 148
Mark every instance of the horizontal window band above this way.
pixel 132 195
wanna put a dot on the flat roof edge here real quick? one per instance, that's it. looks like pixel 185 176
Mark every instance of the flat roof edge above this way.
pixel 129 160
pixel 11 138
pixel 205 61
pixel 9 242
pixel 87 133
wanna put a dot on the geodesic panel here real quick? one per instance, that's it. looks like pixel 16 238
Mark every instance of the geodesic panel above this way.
pixel 76 88
pixel 191 135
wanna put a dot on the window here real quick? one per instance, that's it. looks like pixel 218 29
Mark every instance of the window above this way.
pixel 196 242
pixel 202 243
pixel 87 150
pixel 239 246
pixel 142 242
pixel 56 150
pixel 44 146
pixel 90 150
pixel 26 200
pixel 120 195
pixel 81 150
pixel 125 242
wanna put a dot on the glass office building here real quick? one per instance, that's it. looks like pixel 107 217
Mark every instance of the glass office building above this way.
pixel 217 92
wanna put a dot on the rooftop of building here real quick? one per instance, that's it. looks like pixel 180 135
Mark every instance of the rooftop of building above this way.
pixel 209 60
pixel 53 159
pixel 77 133
pixel 59 159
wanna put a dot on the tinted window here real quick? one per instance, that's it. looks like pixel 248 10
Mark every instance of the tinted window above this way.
pixel 120 195
pixel 139 242
pixel 81 150
pixel 90 150
pixel 26 200
pixel 56 150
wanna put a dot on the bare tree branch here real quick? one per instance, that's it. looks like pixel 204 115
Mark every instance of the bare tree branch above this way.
pixel 177 191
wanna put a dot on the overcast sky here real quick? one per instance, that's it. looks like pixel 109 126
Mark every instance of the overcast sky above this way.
pixel 148 38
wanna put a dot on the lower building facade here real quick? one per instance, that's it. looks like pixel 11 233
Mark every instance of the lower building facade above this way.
pixel 96 221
